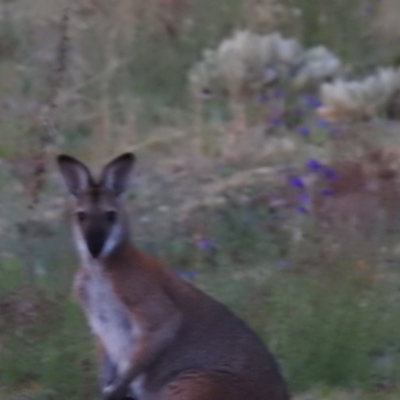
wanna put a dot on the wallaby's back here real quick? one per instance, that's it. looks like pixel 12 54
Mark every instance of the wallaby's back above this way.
pixel 212 348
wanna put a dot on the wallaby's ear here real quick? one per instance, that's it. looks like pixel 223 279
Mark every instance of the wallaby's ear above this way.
pixel 116 174
pixel 76 175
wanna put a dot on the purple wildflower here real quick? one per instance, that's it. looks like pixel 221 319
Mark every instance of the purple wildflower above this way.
pixel 304 131
pixel 312 101
pixel 327 192
pixel 323 123
pixel 330 174
pixel 278 93
pixel 302 210
pixel 304 198
pixel 276 118
pixel 204 244
pixel 314 164
pixel 262 98
pixel 297 182
pixel 275 121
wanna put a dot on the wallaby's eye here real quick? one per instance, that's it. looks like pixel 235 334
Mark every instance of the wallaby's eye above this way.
pixel 111 216
pixel 81 216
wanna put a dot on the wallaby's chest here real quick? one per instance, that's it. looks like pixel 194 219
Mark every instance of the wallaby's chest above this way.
pixel 107 316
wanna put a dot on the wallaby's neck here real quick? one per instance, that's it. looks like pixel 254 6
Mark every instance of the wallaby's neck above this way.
pixel 123 253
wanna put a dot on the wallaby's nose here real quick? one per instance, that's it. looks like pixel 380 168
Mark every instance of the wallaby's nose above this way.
pixel 95 242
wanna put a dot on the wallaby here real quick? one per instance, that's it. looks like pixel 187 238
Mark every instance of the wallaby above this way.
pixel 159 337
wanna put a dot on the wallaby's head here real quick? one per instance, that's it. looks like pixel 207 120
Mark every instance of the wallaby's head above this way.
pixel 98 221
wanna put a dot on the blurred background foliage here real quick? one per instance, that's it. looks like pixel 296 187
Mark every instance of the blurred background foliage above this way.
pixel 281 207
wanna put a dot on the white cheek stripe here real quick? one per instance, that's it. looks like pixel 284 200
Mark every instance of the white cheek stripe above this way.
pixel 80 243
pixel 113 239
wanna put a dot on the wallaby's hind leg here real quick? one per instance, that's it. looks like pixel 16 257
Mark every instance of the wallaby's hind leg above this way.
pixel 210 385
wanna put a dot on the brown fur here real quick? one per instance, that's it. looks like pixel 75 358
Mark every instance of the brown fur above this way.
pixel 159 336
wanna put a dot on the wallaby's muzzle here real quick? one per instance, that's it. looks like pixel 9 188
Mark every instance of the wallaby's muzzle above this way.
pixel 95 240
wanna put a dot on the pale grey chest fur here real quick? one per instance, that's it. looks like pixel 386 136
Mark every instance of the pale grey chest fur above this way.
pixel 107 316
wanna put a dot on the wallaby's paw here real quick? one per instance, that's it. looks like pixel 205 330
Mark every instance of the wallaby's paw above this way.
pixel 109 393
pixel 114 392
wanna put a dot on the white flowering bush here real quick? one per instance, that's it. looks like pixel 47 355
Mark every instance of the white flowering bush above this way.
pixel 248 61
pixel 360 98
